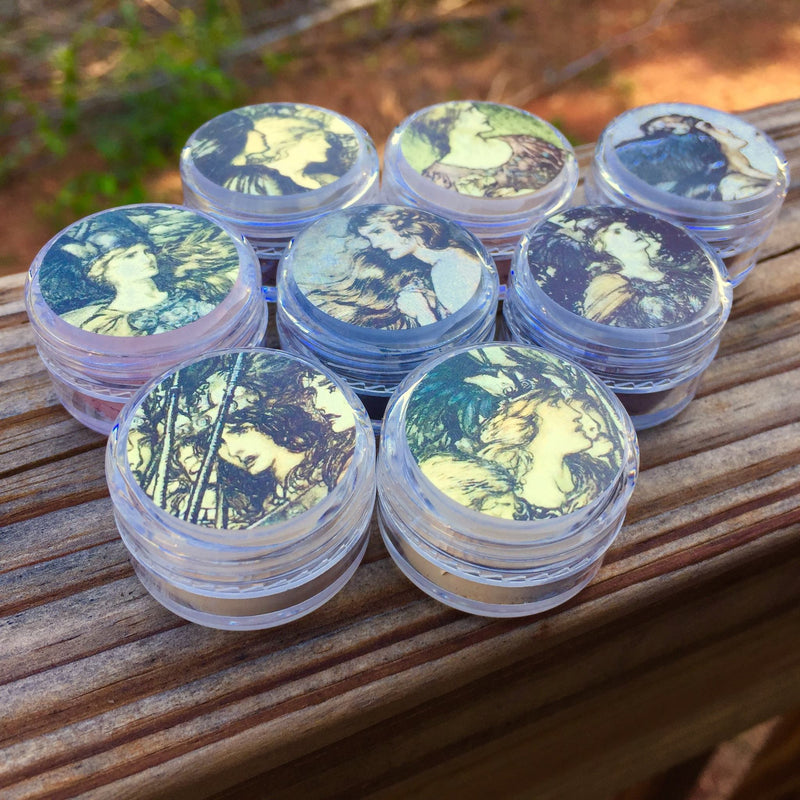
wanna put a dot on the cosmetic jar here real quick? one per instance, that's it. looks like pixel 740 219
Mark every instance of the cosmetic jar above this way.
pixel 374 291
pixel 269 170
pixel 243 483
pixel 709 171
pixel 493 168
pixel 634 298
pixel 504 474
pixel 118 297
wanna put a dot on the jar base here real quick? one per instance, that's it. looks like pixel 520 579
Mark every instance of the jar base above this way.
pixel 486 600
pixel 94 413
pixel 194 607
pixel 647 410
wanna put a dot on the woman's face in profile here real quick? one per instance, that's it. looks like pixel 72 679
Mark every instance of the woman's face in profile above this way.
pixel 331 402
pixel 248 448
pixel 671 123
pixel 472 119
pixel 383 236
pixel 569 427
pixel 620 241
pixel 275 139
pixel 128 264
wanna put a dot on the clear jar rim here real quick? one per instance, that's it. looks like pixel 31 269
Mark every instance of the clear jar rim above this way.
pixel 284 213
pixel 484 531
pixel 719 212
pixel 282 534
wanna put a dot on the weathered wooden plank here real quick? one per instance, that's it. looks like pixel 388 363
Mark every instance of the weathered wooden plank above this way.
pixel 65 482
pixel 686 635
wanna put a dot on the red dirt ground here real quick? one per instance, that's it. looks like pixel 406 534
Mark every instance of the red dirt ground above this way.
pixel 727 54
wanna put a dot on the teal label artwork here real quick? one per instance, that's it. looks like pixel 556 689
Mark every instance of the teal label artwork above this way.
pixel 514 432
pixel 483 149
pixel 621 267
pixel 138 271
pixel 713 158
pixel 275 149
pixel 387 267
pixel 241 440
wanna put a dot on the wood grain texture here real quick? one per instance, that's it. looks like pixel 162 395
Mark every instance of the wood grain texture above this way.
pixel 688 635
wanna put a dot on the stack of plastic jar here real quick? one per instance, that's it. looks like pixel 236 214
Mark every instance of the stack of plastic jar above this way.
pixel 376 290
pixel 493 168
pixel 634 298
pixel 120 296
pixel 269 170
pixel 715 174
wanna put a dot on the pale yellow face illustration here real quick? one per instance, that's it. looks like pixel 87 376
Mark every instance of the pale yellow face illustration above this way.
pixel 387 237
pixel 139 270
pixel 546 445
pixel 620 241
pixel 125 264
pixel 242 439
pixel 287 141
pixel 331 402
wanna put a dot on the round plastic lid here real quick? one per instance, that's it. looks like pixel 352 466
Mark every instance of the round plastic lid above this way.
pixel 380 268
pixel 484 150
pixel 622 268
pixel 283 158
pixel 239 439
pixel 138 270
pixel 515 432
pixel 696 154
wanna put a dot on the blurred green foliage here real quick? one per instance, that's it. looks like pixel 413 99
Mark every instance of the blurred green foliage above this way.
pixel 135 111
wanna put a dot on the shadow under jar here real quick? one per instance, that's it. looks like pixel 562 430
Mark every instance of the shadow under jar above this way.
pixel 243 484
pixel 493 168
pixel 504 474
pixel 269 170
pixel 634 298
pixel 120 296
pixel 374 291
pixel 713 173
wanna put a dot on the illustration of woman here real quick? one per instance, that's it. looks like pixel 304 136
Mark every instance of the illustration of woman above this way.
pixel 242 444
pixel 274 149
pixel 547 441
pixel 692 158
pixel 473 158
pixel 621 267
pixel 415 270
pixel 132 272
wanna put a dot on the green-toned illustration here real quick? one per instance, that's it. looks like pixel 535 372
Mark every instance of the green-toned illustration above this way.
pixel 274 149
pixel 483 149
pixel 621 267
pixel 694 158
pixel 139 270
pixel 241 440
pixel 514 432
pixel 387 267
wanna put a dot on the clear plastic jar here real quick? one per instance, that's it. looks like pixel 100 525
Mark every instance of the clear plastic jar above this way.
pixel 504 473
pixel 118 297
pixel 243 484
pixel 717 175
pixel 634 298
pixel 269 170
pixel 374 291
pixel 493 168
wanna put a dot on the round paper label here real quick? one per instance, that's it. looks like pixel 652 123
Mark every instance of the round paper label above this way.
pixel 387 267
pixel 274 149
pixel 139 270
pixel 514 432
pixel 241 440
pixel 621 267
pixel 483 149
pixel 694 152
